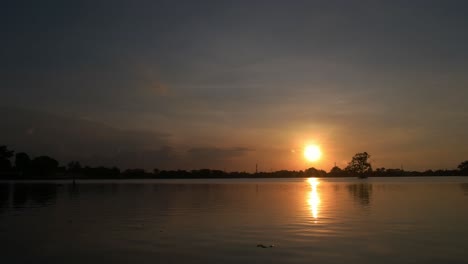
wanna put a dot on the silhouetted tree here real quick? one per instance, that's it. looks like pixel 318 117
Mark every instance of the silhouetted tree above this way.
pixel 313 172
pixel 22 163
pixel 360 165
pixel 74 166
pixel 5 156
pixel 463 167
pixel 135 173
pixel 44 166
pixel 100 172
pixel 337 172
pixel 380 172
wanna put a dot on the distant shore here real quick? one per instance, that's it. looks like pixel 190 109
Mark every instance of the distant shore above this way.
pixel 83 177
pixel 22 167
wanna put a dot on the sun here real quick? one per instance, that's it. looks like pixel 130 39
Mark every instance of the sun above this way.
pixel 312 153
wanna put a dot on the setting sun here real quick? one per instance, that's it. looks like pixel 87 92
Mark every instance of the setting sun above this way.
pixel 312 152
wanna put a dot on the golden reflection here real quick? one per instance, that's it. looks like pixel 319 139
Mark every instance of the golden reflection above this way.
pixel 314 197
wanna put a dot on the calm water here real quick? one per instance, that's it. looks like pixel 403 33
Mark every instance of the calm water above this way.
pixel 393 220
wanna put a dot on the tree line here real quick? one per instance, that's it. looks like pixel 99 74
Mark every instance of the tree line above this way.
pixel 22 166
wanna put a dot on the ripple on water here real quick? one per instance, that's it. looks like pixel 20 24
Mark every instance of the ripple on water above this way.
pixel 211 222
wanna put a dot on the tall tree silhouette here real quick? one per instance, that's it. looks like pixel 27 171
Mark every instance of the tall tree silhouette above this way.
pixel 463 167
pixel 44 166
pixel 22 163
pixel 360 165
pixel 5 156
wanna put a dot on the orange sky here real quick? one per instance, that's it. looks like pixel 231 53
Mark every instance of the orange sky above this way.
pixel 228 84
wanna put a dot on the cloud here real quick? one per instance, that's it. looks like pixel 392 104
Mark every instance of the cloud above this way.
pixel 217 153
pixel 147 77
pixel 95 144
pixel 66 138
pixel 160 89
pixel 164 157
pixel 213 157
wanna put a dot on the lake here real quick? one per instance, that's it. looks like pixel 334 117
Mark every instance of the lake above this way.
pixel 375 220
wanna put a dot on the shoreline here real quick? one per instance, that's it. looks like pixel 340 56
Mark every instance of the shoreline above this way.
pixel 222 178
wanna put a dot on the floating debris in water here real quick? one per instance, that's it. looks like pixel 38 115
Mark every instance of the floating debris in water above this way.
pixel 264 246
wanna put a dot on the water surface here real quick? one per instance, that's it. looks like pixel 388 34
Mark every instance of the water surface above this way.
pixel 379 220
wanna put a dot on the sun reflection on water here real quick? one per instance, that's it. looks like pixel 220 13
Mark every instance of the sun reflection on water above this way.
pixel 314 198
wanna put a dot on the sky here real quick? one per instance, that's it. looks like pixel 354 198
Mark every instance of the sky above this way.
pixel 230 84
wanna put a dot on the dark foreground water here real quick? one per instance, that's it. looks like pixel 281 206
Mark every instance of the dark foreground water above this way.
pixel 392 220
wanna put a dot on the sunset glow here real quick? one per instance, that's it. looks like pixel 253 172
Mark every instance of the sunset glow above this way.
pixel 234 131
